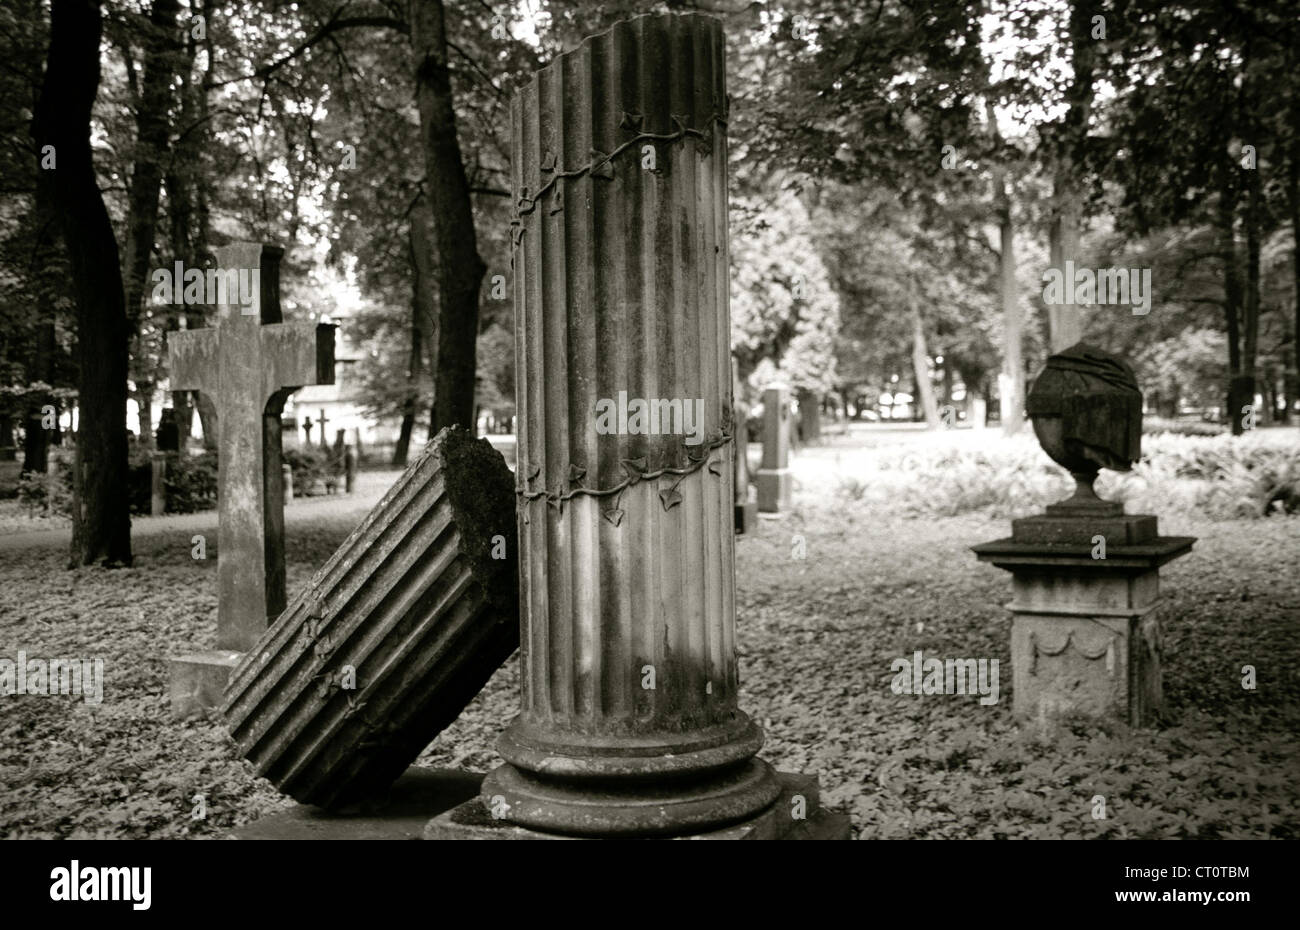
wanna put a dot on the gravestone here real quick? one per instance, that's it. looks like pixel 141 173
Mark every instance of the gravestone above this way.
pixel 8 451
pixel 630 723
pixel 248 365
pixel 774 478
pixel 349 469
pixel 1086 628
pixel 288 481
pixel 746 510
pixel 324 436
pixel 306 428
pixel 157 483
pixel 392 637
pixel 167 438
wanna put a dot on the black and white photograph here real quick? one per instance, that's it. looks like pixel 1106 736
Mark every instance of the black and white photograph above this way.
pixel 439 420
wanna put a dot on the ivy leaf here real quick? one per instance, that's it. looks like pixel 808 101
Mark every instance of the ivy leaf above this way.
pixel 671 497
pixel 614 515
pixel 635 468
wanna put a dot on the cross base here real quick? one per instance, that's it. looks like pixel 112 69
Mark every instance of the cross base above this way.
pixel 198 680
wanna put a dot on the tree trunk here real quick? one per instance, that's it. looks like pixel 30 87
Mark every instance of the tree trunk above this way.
pixel 36 438
pixel 810 415
pixel 460 269
pixel 921 368
pixel 102 530
pixel 1250 323
pixel 1065 323
pixel 153 126
pixel 1239 393
pixel 1293 205
pixel 424 300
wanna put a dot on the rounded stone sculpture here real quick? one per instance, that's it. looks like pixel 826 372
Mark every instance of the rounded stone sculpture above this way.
pixel 1086 408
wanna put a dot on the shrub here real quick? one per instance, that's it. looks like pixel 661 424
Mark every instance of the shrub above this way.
pixel 1152 426
pixel 35 491
pixel 310 466
pixel 191 482
pixel 1221 477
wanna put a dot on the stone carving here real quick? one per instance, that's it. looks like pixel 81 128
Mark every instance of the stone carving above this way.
pixel 1086 410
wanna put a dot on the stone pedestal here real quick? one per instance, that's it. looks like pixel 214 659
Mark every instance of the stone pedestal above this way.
pixel 774 479
pixel 1086 626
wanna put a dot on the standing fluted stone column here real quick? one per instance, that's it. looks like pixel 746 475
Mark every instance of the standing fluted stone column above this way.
pixel 629 721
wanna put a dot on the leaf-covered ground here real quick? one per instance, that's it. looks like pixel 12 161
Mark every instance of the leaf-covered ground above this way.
pixel 816 636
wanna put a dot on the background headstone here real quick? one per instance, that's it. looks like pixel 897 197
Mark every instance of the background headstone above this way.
pixel 746 510
pixel 168 436
pixel 157 483
pixel 774 478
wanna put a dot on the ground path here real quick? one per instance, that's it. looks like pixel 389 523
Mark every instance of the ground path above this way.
pixel 370 487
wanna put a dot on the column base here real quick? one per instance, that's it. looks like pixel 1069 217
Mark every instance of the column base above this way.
pixel 198 680
pixel 774 489
pixel 795 814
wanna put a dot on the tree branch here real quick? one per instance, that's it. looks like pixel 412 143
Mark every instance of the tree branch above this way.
pixel 333 25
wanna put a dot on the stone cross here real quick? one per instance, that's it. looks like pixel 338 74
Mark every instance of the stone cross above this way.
pixel 324 436
pixel 249 365
pixel 774 479
pixel 627 551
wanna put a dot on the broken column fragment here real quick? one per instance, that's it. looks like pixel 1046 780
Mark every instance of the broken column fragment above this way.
pixel 392 637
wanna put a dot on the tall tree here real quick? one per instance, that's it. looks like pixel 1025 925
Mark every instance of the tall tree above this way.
pixel 459 269
pixel 61 129
pixel 153 126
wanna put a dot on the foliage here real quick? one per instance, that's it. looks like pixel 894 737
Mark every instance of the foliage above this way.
pixel 311 466
pixel 51 492
pixel 1211 476
pixel 191 482
pixel 783 309
pixel 816 642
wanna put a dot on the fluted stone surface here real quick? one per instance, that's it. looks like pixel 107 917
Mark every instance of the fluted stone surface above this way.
pixel 627 579
pixel 413 607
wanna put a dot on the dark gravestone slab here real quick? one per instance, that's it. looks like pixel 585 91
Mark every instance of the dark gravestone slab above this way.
pixel 248 366
pixel 168 436
pixel 392 637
